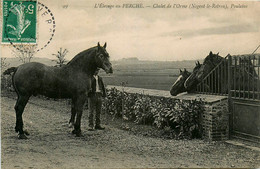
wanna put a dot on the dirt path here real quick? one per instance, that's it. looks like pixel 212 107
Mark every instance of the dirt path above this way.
pixel 51 144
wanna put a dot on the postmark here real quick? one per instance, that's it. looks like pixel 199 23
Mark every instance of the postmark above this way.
pixel 22 21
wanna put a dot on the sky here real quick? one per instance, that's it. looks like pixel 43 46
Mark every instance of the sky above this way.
pixel 161 34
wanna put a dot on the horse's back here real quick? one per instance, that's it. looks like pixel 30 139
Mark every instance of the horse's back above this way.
pixel 29 76
pixel 30 70
pixel 36 78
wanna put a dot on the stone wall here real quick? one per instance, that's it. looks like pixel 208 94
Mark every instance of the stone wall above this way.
pixel 214 119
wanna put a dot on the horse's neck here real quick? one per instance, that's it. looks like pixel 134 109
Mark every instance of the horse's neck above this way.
pixel 85 62
pixel 213 61
pixel 213 64
pixel 218 60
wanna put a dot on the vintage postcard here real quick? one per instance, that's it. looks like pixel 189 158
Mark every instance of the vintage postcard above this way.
pixel 130 84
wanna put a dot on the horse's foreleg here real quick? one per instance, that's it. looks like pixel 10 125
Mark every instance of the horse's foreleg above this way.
pixel 73 114
pixel 19 108
pixel 79 109
pixel 89 86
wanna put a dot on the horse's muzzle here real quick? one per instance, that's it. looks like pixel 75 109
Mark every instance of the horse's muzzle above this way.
pixel 173 93
pixel 110 70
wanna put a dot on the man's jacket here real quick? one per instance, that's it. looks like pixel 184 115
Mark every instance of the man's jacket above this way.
pixel 100 84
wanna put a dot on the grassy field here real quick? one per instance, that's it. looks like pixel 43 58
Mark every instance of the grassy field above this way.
pixel 146 74
pixel 149 79
pixel 142 81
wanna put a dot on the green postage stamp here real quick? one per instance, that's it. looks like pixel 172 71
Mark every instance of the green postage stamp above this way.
pixel 19 21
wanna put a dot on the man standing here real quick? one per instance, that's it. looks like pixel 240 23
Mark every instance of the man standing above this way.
pixel 95 101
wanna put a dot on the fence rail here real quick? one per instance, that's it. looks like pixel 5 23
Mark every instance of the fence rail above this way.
pixel 237 76
pixel 214 82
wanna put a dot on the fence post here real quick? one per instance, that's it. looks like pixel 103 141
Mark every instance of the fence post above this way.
pixel 229 96
pixel 229 75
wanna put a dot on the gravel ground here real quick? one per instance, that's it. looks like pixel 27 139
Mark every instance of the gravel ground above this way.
pixel 120 145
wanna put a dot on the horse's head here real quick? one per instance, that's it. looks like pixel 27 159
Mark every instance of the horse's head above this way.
pixel 192 81
pixel 210 62
pixel 200 71
pixel 102 59
pixel 178 86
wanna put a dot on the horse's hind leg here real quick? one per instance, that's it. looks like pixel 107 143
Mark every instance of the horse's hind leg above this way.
pixel 79 109
pixel 73 114
pixel 19 108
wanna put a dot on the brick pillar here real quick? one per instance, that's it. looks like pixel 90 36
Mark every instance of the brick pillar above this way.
pixel 215 121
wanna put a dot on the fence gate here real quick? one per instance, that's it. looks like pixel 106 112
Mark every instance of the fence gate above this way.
pixel 238 77
pixel 244 94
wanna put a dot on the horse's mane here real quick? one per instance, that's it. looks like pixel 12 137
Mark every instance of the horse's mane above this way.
pixel 185 72
pixel 213 59
pixel 81 54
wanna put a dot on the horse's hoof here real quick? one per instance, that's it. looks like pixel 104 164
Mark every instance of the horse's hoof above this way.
pixel 78 134
pixel 22 136
pixel 73 132
pixel 71 125
pixel 26 132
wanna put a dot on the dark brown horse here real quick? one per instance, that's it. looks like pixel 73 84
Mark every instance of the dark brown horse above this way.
pixel 209 63
pixel 178 86
pixel 69 81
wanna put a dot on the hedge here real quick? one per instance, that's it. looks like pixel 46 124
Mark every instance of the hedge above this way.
pixel 182 117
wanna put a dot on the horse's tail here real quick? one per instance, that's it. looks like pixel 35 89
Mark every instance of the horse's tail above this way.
pixel 14 70
pixel 10 70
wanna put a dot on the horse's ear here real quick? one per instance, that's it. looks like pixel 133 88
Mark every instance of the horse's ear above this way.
pixel 105 45
pixel 217 53
pixel 98 46
pixel 180 71
pixel 210 53
pixel 185 70
pixel 199 63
